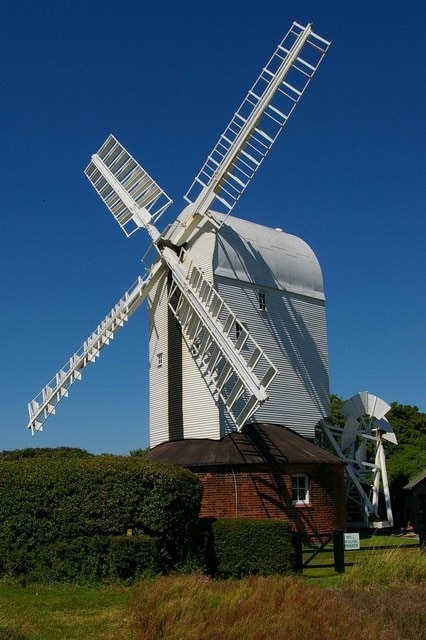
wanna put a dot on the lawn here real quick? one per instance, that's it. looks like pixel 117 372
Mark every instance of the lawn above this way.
pixel 381 597
pixel 370 543
pixel 62 611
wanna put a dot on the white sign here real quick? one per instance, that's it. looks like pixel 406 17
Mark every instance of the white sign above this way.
pixel 351 541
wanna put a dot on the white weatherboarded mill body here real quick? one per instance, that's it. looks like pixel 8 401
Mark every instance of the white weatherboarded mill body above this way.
pixel 274 284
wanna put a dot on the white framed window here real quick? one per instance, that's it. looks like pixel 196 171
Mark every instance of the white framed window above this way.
pixel 262 300
pixel 159 359
pixel 300 489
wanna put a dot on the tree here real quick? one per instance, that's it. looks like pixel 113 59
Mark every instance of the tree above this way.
pixel 336 417
pixel 140 452
pixel 408 423
pixel 406 463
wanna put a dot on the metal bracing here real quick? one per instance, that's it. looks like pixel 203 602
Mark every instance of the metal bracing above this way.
pixel 359 443
pixel 257 123
pixel 235 368
pixel 44 404
pixel 354 478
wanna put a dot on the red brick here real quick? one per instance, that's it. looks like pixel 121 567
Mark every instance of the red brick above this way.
pixel 264 491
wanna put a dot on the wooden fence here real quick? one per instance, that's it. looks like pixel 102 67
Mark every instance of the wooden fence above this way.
pixel 309 548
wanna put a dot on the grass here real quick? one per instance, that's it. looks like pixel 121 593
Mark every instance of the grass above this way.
pixel 194 607
pixel 392 567
pixel 382 597
pixel 68 612
pixel 368 542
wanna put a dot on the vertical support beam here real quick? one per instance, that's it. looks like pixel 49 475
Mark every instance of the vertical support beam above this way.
pixel 174 370
pixel 422 539
pixel 339 551
pixel 298 551
pixel 375 488
pixel 385 483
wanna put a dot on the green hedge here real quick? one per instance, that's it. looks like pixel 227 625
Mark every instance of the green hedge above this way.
pixel 83 559
pixel 70 517
pixel 238 547
pixel 131 557
pixel 45 452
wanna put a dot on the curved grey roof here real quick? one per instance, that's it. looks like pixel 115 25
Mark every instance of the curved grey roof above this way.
pixel 253 253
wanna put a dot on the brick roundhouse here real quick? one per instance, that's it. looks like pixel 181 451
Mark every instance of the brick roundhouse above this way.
pixel 265 471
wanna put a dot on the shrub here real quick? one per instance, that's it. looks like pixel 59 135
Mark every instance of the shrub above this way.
pixel 45 452
pixel 57 516
pixel 240 547
pixel 131 557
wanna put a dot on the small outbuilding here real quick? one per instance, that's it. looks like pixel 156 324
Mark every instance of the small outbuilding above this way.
pixel 264 471
pixel 416 503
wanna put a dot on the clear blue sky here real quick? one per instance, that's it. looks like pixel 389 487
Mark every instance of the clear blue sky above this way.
pixel 347 175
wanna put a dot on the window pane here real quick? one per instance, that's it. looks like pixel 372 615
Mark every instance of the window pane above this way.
pixel 299 488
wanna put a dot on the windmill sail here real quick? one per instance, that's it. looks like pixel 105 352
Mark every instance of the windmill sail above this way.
pixel 199 306
pixel 44 404
pixel 133 197
pixel 137 201
pixel 239 377
pixel 257 123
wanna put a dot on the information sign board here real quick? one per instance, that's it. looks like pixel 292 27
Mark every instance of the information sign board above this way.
pixel 351 541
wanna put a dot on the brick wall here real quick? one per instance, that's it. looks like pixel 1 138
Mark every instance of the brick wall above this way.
pixel 264 491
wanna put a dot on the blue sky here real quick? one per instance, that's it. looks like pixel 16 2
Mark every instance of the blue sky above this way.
pixel 347 175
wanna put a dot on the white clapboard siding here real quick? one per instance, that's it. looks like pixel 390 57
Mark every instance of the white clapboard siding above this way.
pixel 200 250
pixel 292 332
pixel 158 375
pixel 200 410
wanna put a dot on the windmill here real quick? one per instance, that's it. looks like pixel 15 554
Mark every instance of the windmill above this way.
pixel 359 443
pixel 228 362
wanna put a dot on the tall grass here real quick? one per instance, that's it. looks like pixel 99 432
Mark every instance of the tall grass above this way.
pixel 391 567
pixel 394 583
pixel 195 608
pixel 382 598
